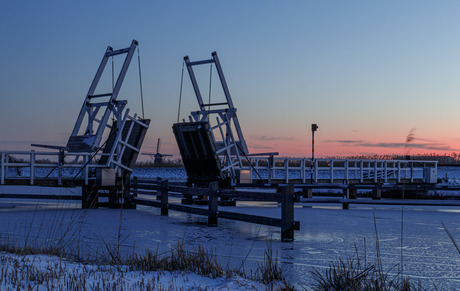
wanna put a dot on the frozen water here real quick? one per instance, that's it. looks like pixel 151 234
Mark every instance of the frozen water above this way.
pixel 327 233
pixel 172 174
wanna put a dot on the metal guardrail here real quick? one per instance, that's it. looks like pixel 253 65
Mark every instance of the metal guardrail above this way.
pixel 34 165
pixel 339 170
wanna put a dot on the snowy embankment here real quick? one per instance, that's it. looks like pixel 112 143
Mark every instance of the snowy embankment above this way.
pixel 116 248
pixel 41 272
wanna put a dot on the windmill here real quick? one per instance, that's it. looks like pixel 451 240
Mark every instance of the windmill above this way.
pixel 157 157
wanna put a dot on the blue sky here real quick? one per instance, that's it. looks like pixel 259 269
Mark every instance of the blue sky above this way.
pixel 367 72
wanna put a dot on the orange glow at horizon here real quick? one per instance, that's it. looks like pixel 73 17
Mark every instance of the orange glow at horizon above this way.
pixel 325 148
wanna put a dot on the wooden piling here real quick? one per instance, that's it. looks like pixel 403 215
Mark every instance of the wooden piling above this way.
pixel 307 193
pixel 114 200
pixel 350 192
pixel 89 197
pixel 346 196
pixel 346 193
pixel 213 203
pixel 377 192
pixel 287 213
pixel 127 195
pixel 164 196
pixel 285 195
pixel 353 192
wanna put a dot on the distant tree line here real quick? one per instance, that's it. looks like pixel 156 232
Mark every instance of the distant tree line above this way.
pixel 452 159
pixel 163 163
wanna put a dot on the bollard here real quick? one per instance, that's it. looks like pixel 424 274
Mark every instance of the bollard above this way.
pixel 287 213
pixel 213 203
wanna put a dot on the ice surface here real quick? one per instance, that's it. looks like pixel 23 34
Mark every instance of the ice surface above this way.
pixel 327 233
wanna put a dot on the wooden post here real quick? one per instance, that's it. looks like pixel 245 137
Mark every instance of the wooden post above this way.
pixel 85 197
pixel 352 192
pixel 307 193
pixel 346 197
pixel 296 196
pixel 377 192
pixel 346 193
pixel 128 195
pixel 114 199
pixel 60 163
pixel 32 167
pixel 213 203
pixel 89 197
pixel 134 185
pixel 2 168
pixel 287 213
pixel 164 196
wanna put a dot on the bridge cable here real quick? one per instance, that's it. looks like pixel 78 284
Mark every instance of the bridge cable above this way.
pixel 113 76
pixel 95 153
pixel 210 83
pixel 113 86
pixel 249 161
pixel 180 94
pixel 140 81
pixel 54 168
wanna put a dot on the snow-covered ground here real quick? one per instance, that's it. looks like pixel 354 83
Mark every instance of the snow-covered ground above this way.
pixel 327 233
pixel 450 175
pixel 43 272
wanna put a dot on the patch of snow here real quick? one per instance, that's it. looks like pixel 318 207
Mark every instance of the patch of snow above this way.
pixel 42 272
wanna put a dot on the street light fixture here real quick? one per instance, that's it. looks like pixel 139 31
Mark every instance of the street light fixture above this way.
pixel 314 127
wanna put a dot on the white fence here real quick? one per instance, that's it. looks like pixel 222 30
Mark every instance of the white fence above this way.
pixel 34 165
pixel 340 171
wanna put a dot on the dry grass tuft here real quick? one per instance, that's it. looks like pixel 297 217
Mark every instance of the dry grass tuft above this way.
pixel 451 237
pixel 353 274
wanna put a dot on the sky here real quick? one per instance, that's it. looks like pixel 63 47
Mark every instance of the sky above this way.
pixel 369 73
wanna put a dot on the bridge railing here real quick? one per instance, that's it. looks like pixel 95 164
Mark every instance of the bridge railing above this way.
pixel 303 170
pixel 33 165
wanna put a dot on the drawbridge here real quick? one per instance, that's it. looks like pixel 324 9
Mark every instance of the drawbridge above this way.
pixel 213 148
pixel 211 142
pixel 101 151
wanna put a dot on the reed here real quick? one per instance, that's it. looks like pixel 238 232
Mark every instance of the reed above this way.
pixel 454 242
pixel 107 262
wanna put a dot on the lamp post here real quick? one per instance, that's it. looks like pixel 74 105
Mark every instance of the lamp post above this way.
pixel 314 127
